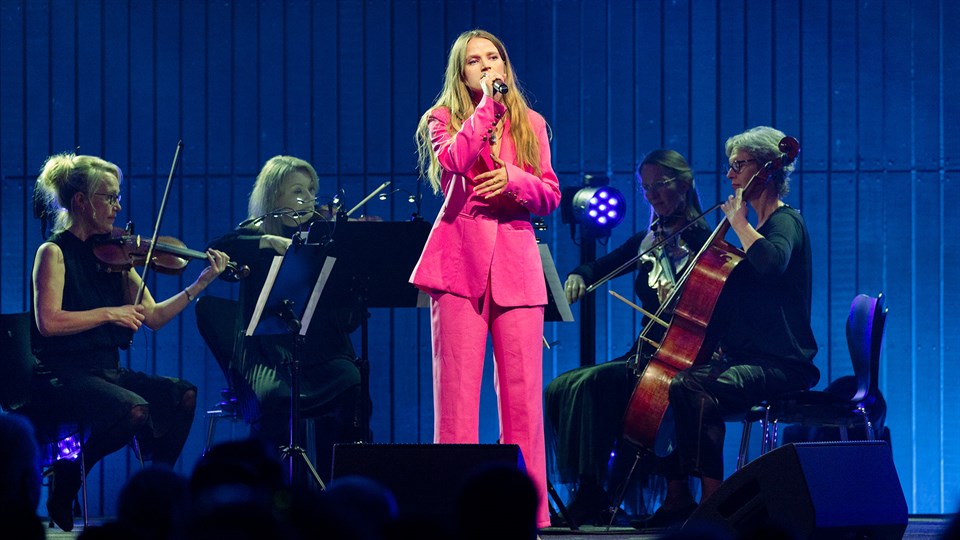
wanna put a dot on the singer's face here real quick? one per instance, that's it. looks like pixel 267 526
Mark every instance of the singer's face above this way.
pixel 482 56
pixel 296 192
pixel 664 193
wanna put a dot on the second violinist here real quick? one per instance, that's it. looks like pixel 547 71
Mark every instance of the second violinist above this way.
pixel 85 316
pixel 281 204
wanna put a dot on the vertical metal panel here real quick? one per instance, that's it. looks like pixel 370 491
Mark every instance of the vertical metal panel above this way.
pixel 843 86
pixel 758 57
pixel 786 60
pixel 63 83
pixel 350 79
pixel 116 98
pixel 245 125
pixel 89 109
pixel 271 68
pixel 899 370
pixel 376 89
pixel 142 89
pixel 297 95
pixel 648 121
pixel 926 80
pixel 928 301
pixel 815 69
pixel 218 79
pixel 193 81
pixel 569 112
pixel 621 52
pixel 897 82
pixel 816 215
pixel 870 101
pixel 950 368
pixel 842 287
pixel 734 69
pixel 676 76
pixel 704 142
pixel 591 86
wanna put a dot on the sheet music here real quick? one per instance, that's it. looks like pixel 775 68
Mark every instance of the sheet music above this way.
pixel 315 295
pixel 262 300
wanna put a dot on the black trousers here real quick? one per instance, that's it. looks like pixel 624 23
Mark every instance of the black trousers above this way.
pixel 702 396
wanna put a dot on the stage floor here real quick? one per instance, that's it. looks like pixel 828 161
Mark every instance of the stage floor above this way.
pixel 925 527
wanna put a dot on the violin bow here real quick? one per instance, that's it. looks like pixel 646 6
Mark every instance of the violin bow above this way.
pixel 156 227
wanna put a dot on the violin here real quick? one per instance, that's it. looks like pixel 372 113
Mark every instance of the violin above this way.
pixel 123 250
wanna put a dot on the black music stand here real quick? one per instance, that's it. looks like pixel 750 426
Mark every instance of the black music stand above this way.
pixel 286 306
pixel 374 260
pixel 557 308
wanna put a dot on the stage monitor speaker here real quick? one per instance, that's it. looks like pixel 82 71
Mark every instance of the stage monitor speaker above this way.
pixel 424 478
pixel 824 490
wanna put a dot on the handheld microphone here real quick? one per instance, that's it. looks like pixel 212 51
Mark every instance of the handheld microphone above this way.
pixel 500 86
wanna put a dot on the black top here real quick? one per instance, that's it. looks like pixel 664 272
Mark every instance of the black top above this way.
pixel 766 301
pixel 85 287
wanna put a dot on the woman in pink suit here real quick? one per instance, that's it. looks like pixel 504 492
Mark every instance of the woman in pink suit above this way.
pixel 488 153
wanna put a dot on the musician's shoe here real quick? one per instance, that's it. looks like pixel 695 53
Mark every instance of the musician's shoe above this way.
pixel 666 518
pixel 63 490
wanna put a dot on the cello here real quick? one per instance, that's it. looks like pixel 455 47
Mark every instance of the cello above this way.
pixel 687 341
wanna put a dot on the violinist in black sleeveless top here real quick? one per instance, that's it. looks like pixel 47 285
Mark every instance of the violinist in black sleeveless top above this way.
pixel 762 318
pixel 84 316
pixel 282 203
pixel 585 406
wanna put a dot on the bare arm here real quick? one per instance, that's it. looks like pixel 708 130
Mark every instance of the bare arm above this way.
pixel 52 320
pixel 158 314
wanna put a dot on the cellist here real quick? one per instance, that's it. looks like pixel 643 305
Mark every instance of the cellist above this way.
pixel 762 320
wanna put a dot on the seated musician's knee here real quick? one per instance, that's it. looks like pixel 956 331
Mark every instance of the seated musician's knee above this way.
pixel 138 416
pixel 189 400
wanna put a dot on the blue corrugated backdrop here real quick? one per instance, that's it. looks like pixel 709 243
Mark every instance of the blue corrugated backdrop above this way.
pixel 869 87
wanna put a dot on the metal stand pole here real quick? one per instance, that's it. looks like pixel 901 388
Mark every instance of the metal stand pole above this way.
pixel 295 452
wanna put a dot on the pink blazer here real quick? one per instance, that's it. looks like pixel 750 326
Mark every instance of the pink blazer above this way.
pixel 474 237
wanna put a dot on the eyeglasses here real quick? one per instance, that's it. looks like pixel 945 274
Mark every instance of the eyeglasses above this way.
pixel 110 198
pixel 657 186
pixel 737 165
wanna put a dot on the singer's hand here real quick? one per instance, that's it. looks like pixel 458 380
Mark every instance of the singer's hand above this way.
pixel 491 183
pixel 486 83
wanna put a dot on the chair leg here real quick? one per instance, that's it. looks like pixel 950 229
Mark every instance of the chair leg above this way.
pixel 211 428
pixel 867 424
pixel 622 492
pixel 744 445
pixel 83 485
pixel 136 450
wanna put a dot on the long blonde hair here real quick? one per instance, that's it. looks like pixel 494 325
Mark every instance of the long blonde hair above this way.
pixel 456 98
pixel 65 175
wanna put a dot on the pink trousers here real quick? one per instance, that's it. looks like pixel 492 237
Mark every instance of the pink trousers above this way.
pixel 459 328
